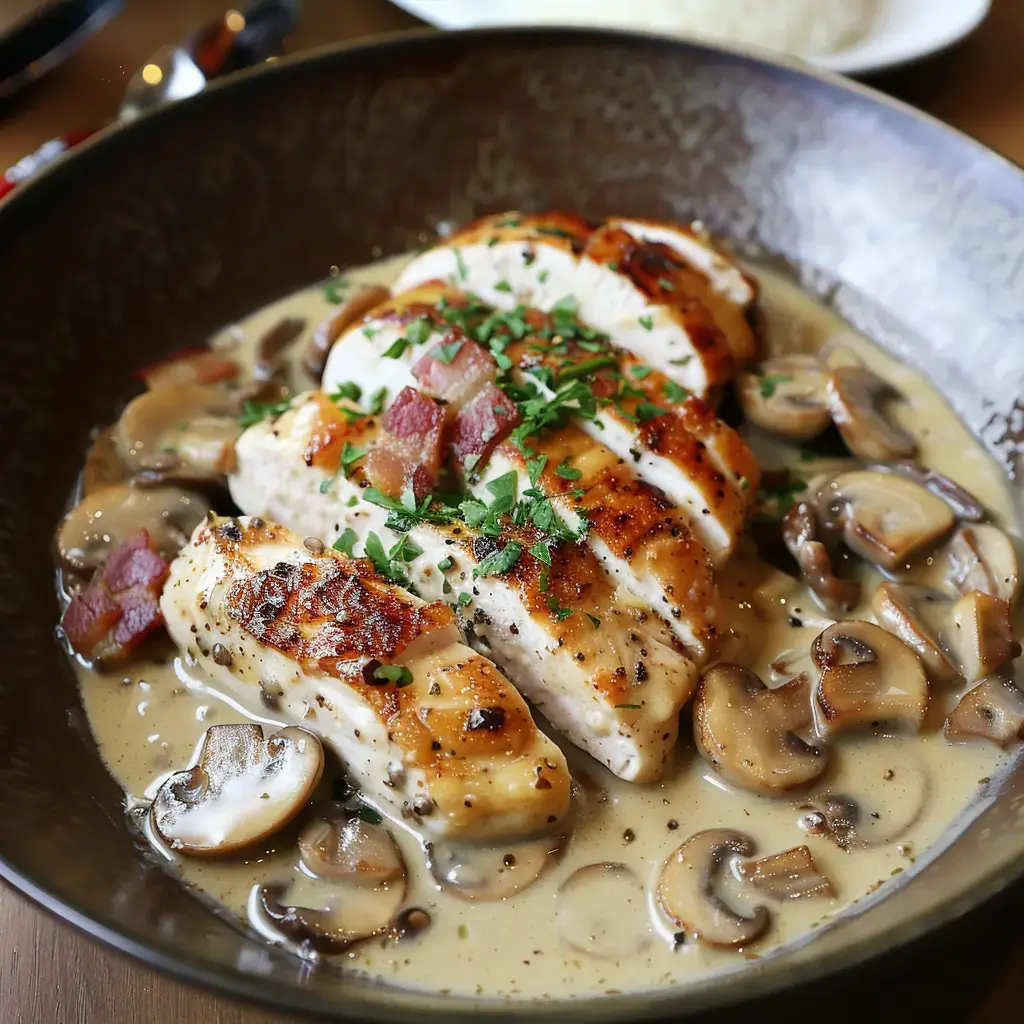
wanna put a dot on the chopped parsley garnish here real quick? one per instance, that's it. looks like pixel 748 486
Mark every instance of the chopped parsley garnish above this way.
pixel 556 232
pixel 419 330
pixel 407 513
pixel 534 468
pixel 567 472
pixel 586 367
pixel 541 551
pixel 666 285
pixel 346 389
pixel 350 455
pixel 648 411
pixel 351 415
pixel 594 620
pixel 684 361
pixel 492 241
pixel 543 276
pixel 465 599
pixel 646 322
pixel 375 553
pixel 446 563
pixel 447 353
pixel 353 501
pixel 675 392
pixel 641 372
pixel 767 383
pixel 630 707
pixel 346 542
pixel 503 286
pixel 460 265
pixel 559 610
pixel 397 674
pixel 334 289
pixel 377 400
pixel 257 412
pixel 371 332
pixel 396 348
pixel 501 561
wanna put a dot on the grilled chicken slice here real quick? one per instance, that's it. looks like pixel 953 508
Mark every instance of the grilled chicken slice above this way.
pixel 633 530
pixel 676 312
pixel 673 440
pixel 600 665
pixel 429 727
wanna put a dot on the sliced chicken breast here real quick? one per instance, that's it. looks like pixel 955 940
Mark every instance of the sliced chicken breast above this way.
pixel 649 298
pixel 593 657
pixel 429 728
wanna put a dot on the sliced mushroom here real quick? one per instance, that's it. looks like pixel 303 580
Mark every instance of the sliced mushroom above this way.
pixel 492 872
pixel 868 676
pixel 992 710
pixel 360 302
pixel 602 911
pixel 964 504
pixel 243 789
pixel 352 850
pixel 790 875
pixel 749 733
pixel 787 396
pixel 911 613
pixel 982 636
pixel 878 789
pixel 982 557
pixel 884 517
pixel 343 912
pixel 686 890
pixel 272 345
pixel 200 366
pixel 103 465
pixel 91 530
pixel 856 399
pixel 800 534
pixel 184 432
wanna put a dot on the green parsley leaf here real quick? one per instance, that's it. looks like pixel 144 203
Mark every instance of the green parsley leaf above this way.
pixel 376 554
pixel 346 543
pixel 405 550
pixel 501 561
pixel 567 472
pixel 419 330
pixel 352 501
pixel 460 265
pixel 556 232
pixel 446 563
pixel 646 322
pixel 567 305
pixel 666 284
pixel 371 332
pixel 560 611
pixel 594 620
pixel 346 389
pixel 257 412
pixel 492 241
pixel 648 411
pixel 631 707
pixel 585 367
pixel 534 468
pixel 541 551
pixel 503 286
pixel 396 348
pixel 674 392
pixel 447 353
pixel 542 582
pixel 684 361
pixel 351 415
pixel 641 372
pixel 767 383
pixel 377 400
pixel 350 455
pixel 367 814
pixel 334 290
pixel 543 276
pixel 397 674
pixel 504 490
pixel 464 599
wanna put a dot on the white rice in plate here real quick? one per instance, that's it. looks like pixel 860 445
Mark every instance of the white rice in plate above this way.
pixel 804 27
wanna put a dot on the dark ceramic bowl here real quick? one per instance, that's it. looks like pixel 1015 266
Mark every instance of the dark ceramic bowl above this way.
pixel 154 235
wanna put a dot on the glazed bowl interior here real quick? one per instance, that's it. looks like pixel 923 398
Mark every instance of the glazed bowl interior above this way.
pixel 155 235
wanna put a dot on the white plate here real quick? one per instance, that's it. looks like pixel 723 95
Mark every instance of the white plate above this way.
pixel 904 30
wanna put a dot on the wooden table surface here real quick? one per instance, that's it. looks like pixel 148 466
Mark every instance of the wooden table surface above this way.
pixel 52 975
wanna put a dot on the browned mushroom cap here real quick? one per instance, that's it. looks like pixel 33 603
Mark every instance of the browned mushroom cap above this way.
pixel 360 302
pixel 800 534
pixel 686 890
pixel 93 528
pixel 492 872
pixel 964 504
pixel 787 396
pixel 187 432
pixel 342 912
pixel 885 518
pixel 103 465
pixel 272 345
pixel 351 850
pixel 749 733
pixel 982 636
pixel 982 557
pixel 243 789
pixel 992 710
pixel 868 676
pixel 790 875
pixel 602 911
pixel 919 616
pixel 856 399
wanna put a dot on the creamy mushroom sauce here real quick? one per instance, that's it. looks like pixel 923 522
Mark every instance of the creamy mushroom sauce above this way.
pixel 149 718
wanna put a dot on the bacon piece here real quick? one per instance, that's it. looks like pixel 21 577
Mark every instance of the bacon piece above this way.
pixel 455 370
pixel 483 424
pixel 121 605
pixel 412 450
pixel 193 366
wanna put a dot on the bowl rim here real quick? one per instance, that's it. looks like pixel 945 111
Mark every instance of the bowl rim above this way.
pixel 392 1003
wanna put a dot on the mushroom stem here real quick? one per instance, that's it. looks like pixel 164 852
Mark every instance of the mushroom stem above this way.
pixel 800 534
pixel 789 875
